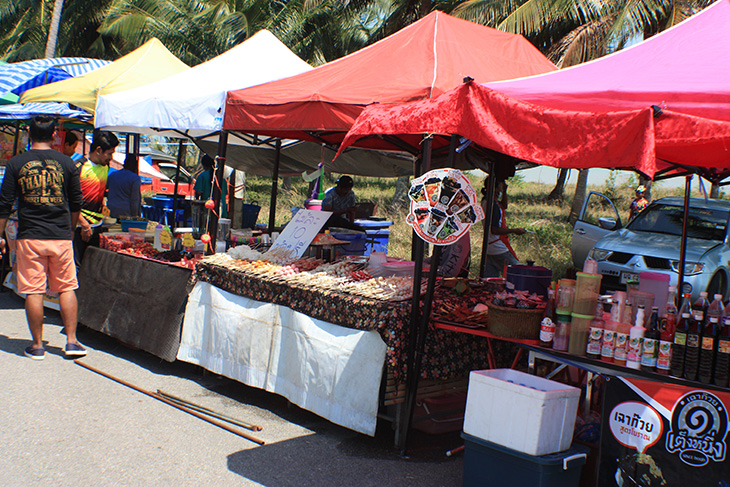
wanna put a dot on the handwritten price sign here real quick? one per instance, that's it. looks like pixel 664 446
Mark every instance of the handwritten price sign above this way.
pixel 299 232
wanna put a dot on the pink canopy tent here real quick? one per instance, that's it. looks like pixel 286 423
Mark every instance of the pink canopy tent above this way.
pixel 660 104
pixel 421 61
pixel 683 69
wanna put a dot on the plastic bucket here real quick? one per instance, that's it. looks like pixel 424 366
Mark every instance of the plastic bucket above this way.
pixel 312 204
pixel 657 284
pixel 199 215
pixel 249 214
pixel 532 278
pixel 587 289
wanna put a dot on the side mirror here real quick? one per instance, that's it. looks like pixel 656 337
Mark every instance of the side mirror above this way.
pixel 607 223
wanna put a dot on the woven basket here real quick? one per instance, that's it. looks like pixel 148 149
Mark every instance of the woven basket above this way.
pixel 523 324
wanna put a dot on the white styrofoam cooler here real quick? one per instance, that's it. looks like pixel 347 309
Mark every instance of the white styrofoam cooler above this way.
pixel 520 411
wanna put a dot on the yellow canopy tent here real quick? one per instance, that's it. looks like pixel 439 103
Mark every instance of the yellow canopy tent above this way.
pixel 146 64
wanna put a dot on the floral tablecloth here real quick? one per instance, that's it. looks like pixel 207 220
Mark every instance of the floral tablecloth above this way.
pixel 447 354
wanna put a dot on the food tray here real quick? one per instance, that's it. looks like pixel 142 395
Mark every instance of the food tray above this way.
pixel 127 224
pixel 522 324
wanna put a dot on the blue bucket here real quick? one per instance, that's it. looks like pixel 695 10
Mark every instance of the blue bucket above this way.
pixel 249 214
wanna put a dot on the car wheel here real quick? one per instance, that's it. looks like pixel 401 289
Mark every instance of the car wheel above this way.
pixel 717 285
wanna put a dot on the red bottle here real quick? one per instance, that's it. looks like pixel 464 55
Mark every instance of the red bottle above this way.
pixel 666 336
pixel 547 325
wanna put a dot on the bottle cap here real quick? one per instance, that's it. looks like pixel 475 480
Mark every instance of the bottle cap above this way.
pixel 718 297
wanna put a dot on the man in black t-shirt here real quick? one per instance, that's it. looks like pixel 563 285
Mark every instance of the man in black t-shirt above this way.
pixel 46 186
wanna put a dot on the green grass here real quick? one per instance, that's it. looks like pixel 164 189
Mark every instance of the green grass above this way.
pixel 549 246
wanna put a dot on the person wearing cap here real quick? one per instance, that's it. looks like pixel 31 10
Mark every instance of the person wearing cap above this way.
pixel 639 203
pixel 341 201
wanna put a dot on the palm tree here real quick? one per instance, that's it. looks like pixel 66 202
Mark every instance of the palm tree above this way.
pixel 53 31
pixel 25 29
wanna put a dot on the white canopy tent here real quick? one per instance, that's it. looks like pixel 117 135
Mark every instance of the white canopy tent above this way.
pixel 192 103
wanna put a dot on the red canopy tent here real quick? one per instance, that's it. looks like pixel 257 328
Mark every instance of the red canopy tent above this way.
pixel 421 61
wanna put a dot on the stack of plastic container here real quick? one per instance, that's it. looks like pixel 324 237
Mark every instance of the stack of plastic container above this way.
pixel 518 430
pixel 587 290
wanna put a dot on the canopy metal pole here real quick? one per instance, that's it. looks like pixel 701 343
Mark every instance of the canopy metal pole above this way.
pixel 413 335
pixel 231 191
pixel 415 359
pixel 274 186
pixel 180 155
pixel 683 243
pixel 220 164
pixel 491 182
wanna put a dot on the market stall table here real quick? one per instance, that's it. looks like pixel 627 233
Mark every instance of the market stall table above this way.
pixel 135 300
pixel 324 350
pixel 482 332
pixel 678 425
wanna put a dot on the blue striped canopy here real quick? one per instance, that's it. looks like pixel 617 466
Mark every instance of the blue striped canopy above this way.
pixel 19 77
pixel 29 110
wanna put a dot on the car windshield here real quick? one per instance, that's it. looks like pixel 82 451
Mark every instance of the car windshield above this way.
pixel 704 223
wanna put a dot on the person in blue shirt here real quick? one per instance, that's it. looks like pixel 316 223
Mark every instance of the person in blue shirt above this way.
pixel 341 201
pixel 204 184
pixel 124 197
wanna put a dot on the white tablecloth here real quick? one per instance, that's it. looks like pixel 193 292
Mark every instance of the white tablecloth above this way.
pixel 328 369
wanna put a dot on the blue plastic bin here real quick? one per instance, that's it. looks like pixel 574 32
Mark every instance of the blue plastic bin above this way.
pixel 377 235
pixel 249 214
pixel 355 247
pixel 368 224
pixel 487 464
pixel 162 202
pixel 377 241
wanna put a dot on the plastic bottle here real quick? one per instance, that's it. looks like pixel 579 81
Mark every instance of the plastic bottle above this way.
pixel 621 340
pixel 595 333
pixel 679 347
pixel 636 334
pixel 562 333
pixel 650 344
pixel 666 334
pixel 709 339
pixel 609 336
pixel 722 359
pixel 694 337
pixel 547 324
pixel 157 242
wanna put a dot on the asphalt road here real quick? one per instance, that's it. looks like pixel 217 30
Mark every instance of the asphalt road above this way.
pixel 61 424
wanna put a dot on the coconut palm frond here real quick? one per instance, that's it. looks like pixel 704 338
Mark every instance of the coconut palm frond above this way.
pixel 637 17
pixel 582 44
pixel 486 12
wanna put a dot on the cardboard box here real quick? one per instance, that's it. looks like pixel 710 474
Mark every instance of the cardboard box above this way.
pixel 520 411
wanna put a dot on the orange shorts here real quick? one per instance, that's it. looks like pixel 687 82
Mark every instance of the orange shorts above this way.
pixel 41 261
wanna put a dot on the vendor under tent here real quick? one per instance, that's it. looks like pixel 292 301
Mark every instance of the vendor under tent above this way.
pixel 146 64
